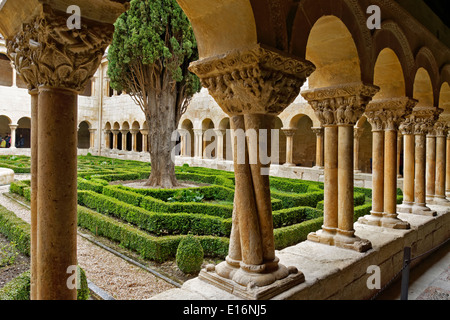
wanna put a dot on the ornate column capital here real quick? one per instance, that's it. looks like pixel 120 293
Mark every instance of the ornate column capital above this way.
pixel 253 80
pixel 440 129
pixel 421 121
pixel 115 132
pixel 220 132
pixel 388 114
pixel 318 131
pixel 340 105
pixel 289 132
pixel 46 53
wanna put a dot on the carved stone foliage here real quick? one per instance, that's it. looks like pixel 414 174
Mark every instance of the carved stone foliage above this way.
pixel 256 80
pixel 421 121
pixel 340 105
pixel 388 114
pixel 440 129
pixel 47 53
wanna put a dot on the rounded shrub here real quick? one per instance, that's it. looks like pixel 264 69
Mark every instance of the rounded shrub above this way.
pixel 189 255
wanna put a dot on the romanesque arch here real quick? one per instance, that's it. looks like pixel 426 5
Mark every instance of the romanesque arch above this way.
pixel 84 136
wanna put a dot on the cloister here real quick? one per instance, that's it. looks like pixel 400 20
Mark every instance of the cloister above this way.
pixel 350 102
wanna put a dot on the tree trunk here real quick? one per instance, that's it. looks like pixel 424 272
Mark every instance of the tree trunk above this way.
pixel 162 122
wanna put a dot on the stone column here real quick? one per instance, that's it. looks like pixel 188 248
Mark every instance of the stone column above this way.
pixel 385 117
pixel 145 141
pixel 289 133
pixel 376 118
pixel 220 134
pixel 198 143
pixel 339 106
pixel 34 94
pixel 251 262
pixel 430 165
pixel 134 140
pixel 59 62
pixel 124 139
pixel 441 133
pixel 92 138
pixel 14 75
pixel 407 130
pixel 424 119
pixel 13 128
pixel 115 138
pixel 319 147
pixel 357 136
pixel 107 139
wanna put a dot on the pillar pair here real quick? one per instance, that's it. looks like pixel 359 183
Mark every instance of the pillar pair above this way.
pixel 252 86
pixel 385 117
pixel 436 164
pixel 56 63
pixel 338 109
pixel 414 130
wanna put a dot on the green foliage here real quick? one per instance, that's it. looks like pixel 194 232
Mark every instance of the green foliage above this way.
pixel 8 254
pixel 186 195
pixel 153 33
pixel 189 255
pixel 17 289
pixel 16 230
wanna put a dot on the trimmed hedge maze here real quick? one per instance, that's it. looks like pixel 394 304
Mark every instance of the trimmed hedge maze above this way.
pixel 152 222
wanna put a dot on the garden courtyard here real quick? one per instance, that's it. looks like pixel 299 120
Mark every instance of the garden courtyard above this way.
pixel 147 224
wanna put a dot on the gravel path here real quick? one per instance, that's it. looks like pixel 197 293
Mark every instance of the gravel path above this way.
pixel 118 278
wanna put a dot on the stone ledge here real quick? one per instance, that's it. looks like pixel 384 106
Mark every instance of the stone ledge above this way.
pixel 335 273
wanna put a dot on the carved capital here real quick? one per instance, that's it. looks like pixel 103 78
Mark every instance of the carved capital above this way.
pixel 289 132
pixel 318 131
pixel 421 121
pixel 388 114
pixel 253 80
pixel 440 129
pixel 340 105
pixel 47 53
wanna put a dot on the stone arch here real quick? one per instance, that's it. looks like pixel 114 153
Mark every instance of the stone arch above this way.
pixel 388 75
pixel 23 131
pixel 425 60
pixel 84 136
pixel 392 37
pixel 224 124
pixel 116 126
pixel 125 126
pixel 208 138
pixel 108 126
pixel 332 49
pixel 5 121
pixel 188 126
pixel 304 141
pixel 6 71
pixel 350 15
pixel 214 33
pixel 423 89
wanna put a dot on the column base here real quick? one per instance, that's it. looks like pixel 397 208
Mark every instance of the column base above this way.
pixel 439 200
pixel 289 165
pixel 340 240
pixel 422 209
pixel 405 207
pixel 374 219
pixel 252 285
pixel 392 222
